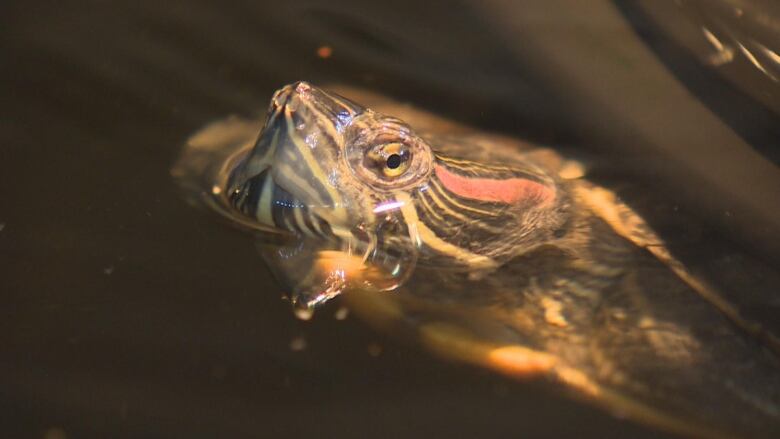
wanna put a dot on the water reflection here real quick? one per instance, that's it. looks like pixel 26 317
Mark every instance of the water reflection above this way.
pixel 748 28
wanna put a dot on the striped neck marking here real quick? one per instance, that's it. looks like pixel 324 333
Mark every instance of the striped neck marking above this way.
pixel 421 234
pixel 507 191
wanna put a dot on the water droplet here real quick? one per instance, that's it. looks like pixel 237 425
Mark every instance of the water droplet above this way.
pixel 298 344
pixel 341 313
pixel 303 313
pixel 324 52
pixel 54 433
pixel 374 349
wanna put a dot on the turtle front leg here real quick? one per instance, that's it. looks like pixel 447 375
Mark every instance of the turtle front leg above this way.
pixel 628 224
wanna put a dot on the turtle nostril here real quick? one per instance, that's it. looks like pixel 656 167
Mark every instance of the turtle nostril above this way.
pixel 280 100
pixel 302 87
pixel 282 97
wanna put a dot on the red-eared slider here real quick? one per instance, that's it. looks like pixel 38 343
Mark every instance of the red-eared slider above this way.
pixel 489 251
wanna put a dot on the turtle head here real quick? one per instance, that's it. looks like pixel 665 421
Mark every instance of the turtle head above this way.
pixel 331 171
pixel 324 167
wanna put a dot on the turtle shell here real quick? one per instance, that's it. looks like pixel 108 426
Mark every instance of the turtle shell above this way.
pixel 606 311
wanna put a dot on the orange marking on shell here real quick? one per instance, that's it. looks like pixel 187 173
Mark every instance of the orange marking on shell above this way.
pixel 579 380
pixel 517 360
pixel 508 191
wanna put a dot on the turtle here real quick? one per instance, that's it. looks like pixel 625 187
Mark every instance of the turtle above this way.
pixel 487 250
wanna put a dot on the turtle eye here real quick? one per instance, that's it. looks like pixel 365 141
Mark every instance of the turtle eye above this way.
pixel 389 160
pixel 385 154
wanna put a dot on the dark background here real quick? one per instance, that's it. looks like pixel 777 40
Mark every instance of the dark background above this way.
pixel 126 313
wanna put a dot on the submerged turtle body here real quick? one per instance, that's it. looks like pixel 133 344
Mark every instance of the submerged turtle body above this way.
pixel 496 251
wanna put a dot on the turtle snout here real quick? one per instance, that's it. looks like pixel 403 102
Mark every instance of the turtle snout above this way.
pixel 286 94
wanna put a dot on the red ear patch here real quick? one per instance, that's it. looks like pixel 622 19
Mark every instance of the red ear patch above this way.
pixel 508 191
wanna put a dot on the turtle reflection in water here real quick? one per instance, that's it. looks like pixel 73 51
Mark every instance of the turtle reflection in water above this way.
pixel 497 253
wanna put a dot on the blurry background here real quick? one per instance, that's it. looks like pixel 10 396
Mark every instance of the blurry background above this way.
pixel 126 313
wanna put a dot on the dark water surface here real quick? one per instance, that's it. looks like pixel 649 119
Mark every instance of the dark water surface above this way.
pixel 126 313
